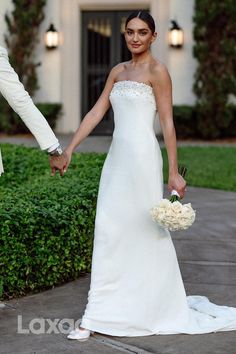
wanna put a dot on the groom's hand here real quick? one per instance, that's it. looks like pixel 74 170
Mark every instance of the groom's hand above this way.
pixel 58 163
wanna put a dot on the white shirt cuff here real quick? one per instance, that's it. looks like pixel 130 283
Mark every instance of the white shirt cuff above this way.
pixel 53 147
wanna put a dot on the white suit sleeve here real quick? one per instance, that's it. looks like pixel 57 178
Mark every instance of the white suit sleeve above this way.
pixel 20 101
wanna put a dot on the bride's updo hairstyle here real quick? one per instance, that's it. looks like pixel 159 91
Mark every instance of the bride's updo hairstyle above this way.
pixel 144 16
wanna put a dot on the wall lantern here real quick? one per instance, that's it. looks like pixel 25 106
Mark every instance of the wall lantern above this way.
pixel 176 35
pixel 51 37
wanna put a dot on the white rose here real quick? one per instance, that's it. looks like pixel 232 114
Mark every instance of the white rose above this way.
pixel 164 203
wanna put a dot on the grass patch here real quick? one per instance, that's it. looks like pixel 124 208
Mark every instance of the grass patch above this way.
pixel 208 167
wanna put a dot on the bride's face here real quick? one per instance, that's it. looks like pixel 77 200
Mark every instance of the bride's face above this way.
pixel 138 36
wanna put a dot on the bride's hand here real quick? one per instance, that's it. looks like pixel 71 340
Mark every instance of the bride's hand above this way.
pixel 68 155
pixel 178 183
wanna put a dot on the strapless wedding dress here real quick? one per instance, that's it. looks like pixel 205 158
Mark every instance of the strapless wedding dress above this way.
pixel 136 286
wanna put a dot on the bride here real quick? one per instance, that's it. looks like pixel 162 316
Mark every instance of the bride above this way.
pixel 136 286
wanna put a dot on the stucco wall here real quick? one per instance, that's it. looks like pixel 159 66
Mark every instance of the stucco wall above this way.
pixel 181 62
pixel 49 73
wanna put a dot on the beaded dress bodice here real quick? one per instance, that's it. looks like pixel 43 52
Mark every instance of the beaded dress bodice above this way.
pixel 134 90
pixel 134 107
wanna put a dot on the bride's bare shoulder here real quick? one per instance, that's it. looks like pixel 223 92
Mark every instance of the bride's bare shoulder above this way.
pixel 118 69
pixel 159 73
pixel 157 66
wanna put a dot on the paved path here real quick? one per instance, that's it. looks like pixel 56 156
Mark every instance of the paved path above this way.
pixel 100 143
pixel 206 254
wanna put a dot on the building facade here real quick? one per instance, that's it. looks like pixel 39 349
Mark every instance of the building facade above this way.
pixel 90 43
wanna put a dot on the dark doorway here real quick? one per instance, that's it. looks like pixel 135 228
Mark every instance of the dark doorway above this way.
pixel 103 46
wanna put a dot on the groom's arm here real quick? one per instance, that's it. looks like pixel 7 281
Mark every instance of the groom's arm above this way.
pixel 18 98
pixel 20 101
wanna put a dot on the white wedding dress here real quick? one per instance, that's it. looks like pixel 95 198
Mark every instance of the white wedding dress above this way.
pixel 136 286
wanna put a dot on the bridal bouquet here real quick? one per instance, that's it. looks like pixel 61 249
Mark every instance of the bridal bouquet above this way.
pixel 171 214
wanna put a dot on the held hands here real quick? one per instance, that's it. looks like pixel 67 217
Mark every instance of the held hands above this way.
pixel 60 163
pixel 178 183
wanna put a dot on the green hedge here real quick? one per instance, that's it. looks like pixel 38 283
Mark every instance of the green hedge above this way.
pixel 46 223
pixel 188 121
pixel 185 119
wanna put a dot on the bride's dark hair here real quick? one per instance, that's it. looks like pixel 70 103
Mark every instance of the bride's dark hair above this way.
pixel 144 16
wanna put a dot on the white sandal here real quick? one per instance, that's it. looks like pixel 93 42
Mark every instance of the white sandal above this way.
pixel 80 334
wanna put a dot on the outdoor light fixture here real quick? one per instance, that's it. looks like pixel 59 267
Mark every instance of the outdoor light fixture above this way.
pixel 176 35
pixel 51 37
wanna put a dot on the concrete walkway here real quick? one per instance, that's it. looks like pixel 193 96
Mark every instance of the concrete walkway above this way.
pixel 101 143
pixel 206 254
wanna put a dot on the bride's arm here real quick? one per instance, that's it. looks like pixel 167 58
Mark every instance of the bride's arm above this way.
pixel 93 117
pixel 163 92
